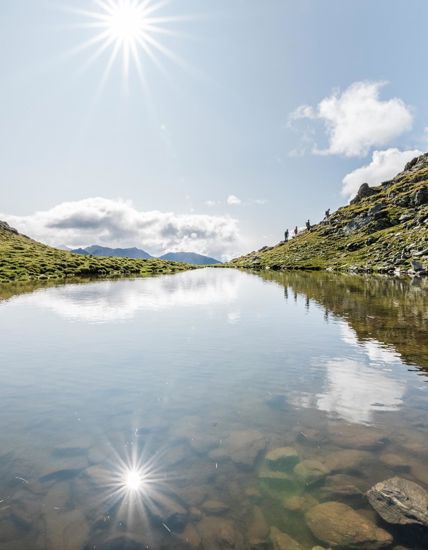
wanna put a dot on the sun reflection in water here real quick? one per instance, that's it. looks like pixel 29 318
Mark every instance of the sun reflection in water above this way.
pixel 134 480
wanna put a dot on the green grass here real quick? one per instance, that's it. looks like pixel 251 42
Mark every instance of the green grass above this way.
pixel 381 245
pixel 23 260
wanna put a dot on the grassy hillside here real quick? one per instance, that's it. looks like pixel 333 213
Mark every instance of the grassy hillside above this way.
pixel 22 259
pixel 384 229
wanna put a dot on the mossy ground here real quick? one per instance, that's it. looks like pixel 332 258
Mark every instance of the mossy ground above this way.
pixel 22 259
pixel 383 232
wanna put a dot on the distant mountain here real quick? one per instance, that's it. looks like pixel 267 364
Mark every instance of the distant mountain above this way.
pixel 184 257
pixel 189 258
pixel 96 250
pixel 81 251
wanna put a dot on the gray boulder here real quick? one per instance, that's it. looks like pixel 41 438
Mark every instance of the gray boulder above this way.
pixel 421 197
pixel 400 502
pixel 364 191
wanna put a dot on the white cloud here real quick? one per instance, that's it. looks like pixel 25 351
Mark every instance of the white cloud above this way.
pixel 210 203
pixel 233 200
pixel 119 223
pixel 383 166
pixel 357 119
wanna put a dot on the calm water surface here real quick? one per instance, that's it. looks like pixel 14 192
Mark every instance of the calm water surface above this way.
pixel 138 414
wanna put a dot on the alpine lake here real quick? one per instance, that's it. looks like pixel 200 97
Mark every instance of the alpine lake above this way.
pixel 212 409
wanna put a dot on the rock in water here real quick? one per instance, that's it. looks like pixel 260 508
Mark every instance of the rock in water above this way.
pixel 310 472
pixel 283 458
pixel 243 447
pixel 282 541
pixel 400 502
pixel 338 525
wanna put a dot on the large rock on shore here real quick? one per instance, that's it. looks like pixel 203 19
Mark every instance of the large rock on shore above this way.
pixel 338 525
pixel 400 502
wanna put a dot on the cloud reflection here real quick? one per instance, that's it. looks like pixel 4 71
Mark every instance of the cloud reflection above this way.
pixel 355 390
pixel 109 301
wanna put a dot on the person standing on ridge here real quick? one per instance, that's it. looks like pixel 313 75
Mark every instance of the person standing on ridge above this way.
pixel 308 225
pixel 286 235
pixel 296 231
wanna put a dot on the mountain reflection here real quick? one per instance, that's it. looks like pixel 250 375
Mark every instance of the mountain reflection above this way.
pixel 109 301
pixel 387 317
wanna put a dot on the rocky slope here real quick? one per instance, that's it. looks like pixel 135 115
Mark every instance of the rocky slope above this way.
pixel 384 229
pixel 22 259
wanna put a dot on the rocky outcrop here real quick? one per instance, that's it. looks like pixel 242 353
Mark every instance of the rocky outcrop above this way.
pixel 382 230
pixel 6 227
pixel 363 192
pixel 400 502
pixel 339 526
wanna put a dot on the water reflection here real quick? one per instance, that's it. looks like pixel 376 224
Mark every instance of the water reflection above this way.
pixel 108 301
pixel 386 316
pixel 355 391
pixel 212 412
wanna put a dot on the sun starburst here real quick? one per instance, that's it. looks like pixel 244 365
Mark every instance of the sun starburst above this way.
pixel 130 29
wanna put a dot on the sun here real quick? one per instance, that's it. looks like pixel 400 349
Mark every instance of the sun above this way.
pixel 126 22
pixel 130 30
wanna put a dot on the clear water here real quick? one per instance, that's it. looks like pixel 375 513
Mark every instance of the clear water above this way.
pixel 137 414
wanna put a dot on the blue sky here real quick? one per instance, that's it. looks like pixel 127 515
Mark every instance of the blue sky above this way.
pixel 271 105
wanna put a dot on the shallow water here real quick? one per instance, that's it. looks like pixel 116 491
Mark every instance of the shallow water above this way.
pixel 137 414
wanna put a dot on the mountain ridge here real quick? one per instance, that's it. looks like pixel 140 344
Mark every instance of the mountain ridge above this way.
pixel 183 257
pixel 384 229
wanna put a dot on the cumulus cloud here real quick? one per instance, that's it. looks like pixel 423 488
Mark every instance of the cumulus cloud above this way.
pixel 119 223
pixel 233 200
pixel 383 166
pixel 357 119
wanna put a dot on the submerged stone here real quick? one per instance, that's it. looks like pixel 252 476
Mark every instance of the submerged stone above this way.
pixel 258 531
pixel 310 471
pixel 358 437
pixel 244 447
pixel 342 486
pixel 400 502
pixel 276 479
pixel 299 503
pixel 167 510
pixel 396 461
pixel 190 536
pixel 347 460
pixel 219 533
pixel 282 541
pixel 214 506
pixel 283 458
pixel 338 525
